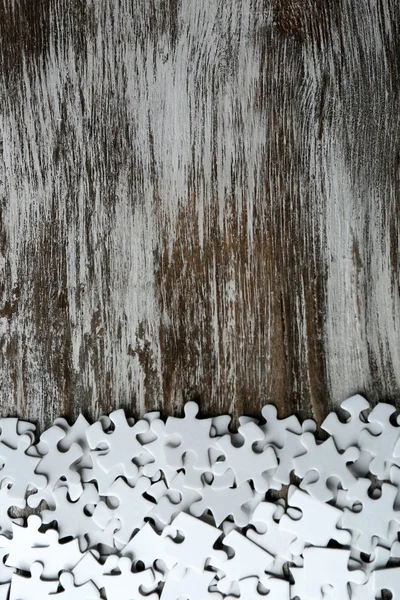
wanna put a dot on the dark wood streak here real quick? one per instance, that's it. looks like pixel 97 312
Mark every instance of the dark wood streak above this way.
pixel 262 265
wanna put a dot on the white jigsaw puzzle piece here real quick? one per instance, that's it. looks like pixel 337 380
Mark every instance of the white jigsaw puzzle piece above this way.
pixel 89 568
pixel 33 587
pixel 374 518
pixel 54 465
pixel 127 585
pixel 271 537
pixel 327 462
pixel 71 591
pixel 132 508
pixel 326 570
pixel 194 585
pixel 384 446
pixel 123 445
pixel 317 525
pixel 245 463
pixel 197 546
pixel 20 469
pixel 223 500
pixel 249 560
pixel 73 518
pixel 189 433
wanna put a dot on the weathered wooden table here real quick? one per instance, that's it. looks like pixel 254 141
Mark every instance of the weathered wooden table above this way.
pixel 199 199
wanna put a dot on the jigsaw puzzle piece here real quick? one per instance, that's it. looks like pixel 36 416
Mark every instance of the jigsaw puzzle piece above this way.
pixel 152 550
pixel 57 557
pixel 33 587
pixel 56 465
pixel 326 571
pixel 193 585
pixel 76 434
pixel 11 428
pixel 224 500
pixel 291 449
pixel 245 463
pixel 274 429
pixel 160 463
pixel 197 545
pixel 103 480
pixel 123 445
pixel 21 470
pixel 173 500
pixel 76 518
pixel 71 591
pixel 25 537
pixel 90 568
pixel 347 433
pixel 317 525
pixel 325 460
pixel 385 446
pixel 249 560
pixel 270 536
pixel 127 585
pixel 131 511
pixel 381 580
pixel 374 518
pixel 189 434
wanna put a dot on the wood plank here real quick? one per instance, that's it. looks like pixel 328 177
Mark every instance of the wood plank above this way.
pixel 198 200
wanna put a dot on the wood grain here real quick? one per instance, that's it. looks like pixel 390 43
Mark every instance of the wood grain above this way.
pixel 198 200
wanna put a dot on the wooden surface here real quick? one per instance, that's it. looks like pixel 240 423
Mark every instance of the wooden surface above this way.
pixel 199 199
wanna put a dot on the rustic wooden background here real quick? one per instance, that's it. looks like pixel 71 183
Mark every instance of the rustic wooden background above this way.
pixel 199 199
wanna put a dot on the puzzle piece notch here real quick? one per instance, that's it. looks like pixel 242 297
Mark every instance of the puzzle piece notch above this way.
pixel 275 589
pixel 377 560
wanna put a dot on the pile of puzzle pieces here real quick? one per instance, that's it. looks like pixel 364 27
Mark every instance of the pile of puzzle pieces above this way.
pixel 190 509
